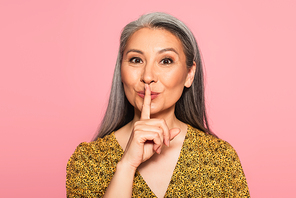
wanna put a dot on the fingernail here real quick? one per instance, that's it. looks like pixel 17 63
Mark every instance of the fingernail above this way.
pixel 168 143
pixel 159 150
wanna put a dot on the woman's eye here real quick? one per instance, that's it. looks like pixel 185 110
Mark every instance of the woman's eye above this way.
pixel 166 61
pixel 136 60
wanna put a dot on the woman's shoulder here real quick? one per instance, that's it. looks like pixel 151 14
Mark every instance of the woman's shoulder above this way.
pixel 91 162
pixel 100 146
pixel 217 159
pixel 208 142
pixel 102 149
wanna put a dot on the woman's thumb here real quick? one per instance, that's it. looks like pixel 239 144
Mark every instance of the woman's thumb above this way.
pixel 174 132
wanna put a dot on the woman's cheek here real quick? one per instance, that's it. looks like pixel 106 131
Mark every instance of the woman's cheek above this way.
pixel 173 80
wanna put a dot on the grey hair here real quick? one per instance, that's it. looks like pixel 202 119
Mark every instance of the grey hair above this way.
pixel 190 108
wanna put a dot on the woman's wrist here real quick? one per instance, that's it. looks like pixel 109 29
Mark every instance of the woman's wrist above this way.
pixel 126 167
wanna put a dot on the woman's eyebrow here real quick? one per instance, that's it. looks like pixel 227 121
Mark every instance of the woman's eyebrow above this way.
pixel 134 50
pixel 168 49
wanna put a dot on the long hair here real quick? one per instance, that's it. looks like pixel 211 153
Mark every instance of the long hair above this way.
pixel 190 108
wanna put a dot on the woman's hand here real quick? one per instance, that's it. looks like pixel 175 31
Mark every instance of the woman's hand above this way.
pixel 148 135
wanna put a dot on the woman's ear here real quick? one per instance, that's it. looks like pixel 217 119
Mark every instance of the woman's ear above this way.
pixel 190 75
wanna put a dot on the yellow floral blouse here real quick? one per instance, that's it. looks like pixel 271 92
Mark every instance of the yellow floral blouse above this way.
pixel 207 167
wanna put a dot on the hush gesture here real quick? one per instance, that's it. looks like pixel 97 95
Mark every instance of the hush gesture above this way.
pixel 148 135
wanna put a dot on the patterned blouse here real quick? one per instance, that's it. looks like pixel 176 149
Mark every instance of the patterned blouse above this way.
pixel 207 167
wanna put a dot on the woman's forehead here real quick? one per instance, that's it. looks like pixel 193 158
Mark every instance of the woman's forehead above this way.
pixel 153 38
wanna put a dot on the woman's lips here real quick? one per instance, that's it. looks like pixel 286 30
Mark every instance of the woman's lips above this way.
pixel 153 94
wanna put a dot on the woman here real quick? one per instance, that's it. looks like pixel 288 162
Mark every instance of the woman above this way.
pixel 154 139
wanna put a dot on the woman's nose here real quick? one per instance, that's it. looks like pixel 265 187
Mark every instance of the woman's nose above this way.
pixel 149 75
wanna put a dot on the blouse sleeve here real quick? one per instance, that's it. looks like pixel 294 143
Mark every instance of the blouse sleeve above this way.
pixel 235 184
pixel 80 174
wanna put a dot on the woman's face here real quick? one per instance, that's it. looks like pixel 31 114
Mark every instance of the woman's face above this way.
pixel 155 57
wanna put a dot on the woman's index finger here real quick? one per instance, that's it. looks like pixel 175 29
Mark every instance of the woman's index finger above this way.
pixel 145 114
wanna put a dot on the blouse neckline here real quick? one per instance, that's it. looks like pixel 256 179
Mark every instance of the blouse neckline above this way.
pixel 176 169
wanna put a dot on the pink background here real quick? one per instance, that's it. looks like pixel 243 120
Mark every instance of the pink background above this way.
pixel 57 60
